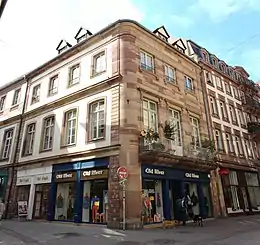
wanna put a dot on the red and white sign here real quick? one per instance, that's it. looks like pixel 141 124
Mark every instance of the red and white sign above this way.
pixel 122 173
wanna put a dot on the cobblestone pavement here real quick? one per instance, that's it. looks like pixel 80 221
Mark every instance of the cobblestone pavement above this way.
pixel 239 231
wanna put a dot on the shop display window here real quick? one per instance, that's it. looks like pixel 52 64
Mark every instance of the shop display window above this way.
pixel 23 193
pixel 253 190
pixel 95 201
pixel 191 191
pixel 207 200
pixel 152 207
pixel 2 187
pixel 65 201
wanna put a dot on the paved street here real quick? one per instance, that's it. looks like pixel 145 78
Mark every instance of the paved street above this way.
pixel 239 231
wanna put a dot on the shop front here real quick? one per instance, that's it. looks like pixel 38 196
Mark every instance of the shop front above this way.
pixel 241 191
pixel 163 186
pixel 79 192
pixel 3 182
pixel 33 186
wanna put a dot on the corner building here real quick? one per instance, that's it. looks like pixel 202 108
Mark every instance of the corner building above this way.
pixel 124 96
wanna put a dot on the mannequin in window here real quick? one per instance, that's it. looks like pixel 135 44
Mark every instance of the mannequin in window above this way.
pixel 95 201
pixel 86 201
pixel 59 201
pixel 148 206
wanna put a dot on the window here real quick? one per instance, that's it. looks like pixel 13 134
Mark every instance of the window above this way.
pixel 223 110
pixel 230 144
pixel 235 92
pixel 29 139
pixel 169 73
pixel 213 104
pixel 36 94
pixel 233 114
pixel 248 147
pixel 48 132
pixel 70 123
pixel 208 78
pixel 99 62
pixel 255 149
pixel 195 132
pixel 219 82
pixel 227 87
pixel 238 145
pixel 205 56
pixel 253 189
pixel 241 117
pixel 74 75
pixel 97 119
pixel 188 83
pixel 16 98
pixel 222 67
pixel 7 143
pixel 230 189
pixel 175 120
pixel 150 115
pixel 53 86
pixel 147 62
pixel 219 140
pixel 214 62
pixel 2 103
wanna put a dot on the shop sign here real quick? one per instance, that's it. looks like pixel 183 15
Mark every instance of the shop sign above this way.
pixel 66 176
pixel 45 178
pixel 192 175
pixel 154 171
pixel 23 181
pixel 94 174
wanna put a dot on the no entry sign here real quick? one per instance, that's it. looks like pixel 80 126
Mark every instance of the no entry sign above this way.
pixel 122 173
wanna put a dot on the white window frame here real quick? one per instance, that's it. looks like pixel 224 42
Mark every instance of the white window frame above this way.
pixel 239 145
pixel 150 115
pixel 228 88
pixel 248 148
pixel 16 97
pixel 223 110
pixel 70 119
pixel 97 119
pixel 241 117
pixel 99 63
pixel 175 120
pixel 214 107
pixel 169 74
pixel 189 86
pixel 146 61
pixel 195 132
pixel 255 150
pixel 53 85
pixel 219 82
pixel 36 91
pixel 29 139
pixel 2 102
pixel 74 78
pixel 232 111
pixel 219 140
pixel 230 145
pixel 48 133
pixel 7 143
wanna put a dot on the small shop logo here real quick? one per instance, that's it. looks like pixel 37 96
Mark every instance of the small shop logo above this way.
pixel 192 175
pixel 154 171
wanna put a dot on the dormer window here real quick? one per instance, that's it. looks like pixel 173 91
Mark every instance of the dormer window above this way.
pixel 214 62
pixel 222 67
pixel 82 34
pixel 205 55
pixel 63 46
pixel 162 33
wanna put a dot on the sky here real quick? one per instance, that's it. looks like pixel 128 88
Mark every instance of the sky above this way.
pixel 30 30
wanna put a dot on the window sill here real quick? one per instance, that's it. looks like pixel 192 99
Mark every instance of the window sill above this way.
pixel 96 140
pixel 228 93
pixel 67 146
pixel 215 116
pixel 188 91
pixel 235 123
pixel 225 120
pixel 210 84
pixel 149 72
pixel 14 107
pixel 45 150
pixel 97 74
pixel 4 159
pixel 73 84
pixel 27 155
pixel 35 102
pixel 171 83
pixel 243 126
pixel 52 94
pixel 221 89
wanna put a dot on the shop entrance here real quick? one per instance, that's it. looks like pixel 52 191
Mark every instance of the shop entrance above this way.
pixel 95 201
pixel 175 194
pixel 41 201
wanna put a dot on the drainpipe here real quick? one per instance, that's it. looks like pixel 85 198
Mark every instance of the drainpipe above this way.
pixel 15 158
pixel 210 126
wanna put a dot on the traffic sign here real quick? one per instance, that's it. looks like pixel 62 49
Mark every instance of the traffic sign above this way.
pixel 122 173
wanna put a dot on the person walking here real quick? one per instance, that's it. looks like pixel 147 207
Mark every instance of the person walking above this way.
pixel 2 209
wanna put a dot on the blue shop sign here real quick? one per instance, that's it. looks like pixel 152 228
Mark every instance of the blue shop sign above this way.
pixel 158 172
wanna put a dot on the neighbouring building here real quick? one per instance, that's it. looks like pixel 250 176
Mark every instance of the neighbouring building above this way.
pixel 2 7
pixel 124 96
pixel 233 110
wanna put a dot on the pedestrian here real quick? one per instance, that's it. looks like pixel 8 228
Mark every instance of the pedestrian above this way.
pixel 181 214
pixel 2 209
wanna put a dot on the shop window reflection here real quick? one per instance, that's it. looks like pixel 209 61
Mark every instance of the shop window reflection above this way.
pixel 152 207
pixel 65 201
